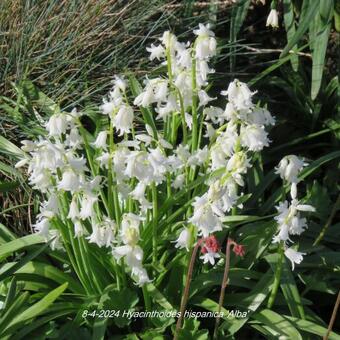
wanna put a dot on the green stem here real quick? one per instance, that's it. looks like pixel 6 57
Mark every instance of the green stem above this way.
pixel 184 129
pixel 146 297
pixel 277 278
pixel 92 165
pixel 170 126
pixel 74 246
pixel 116 269
pixel 194 142
pixel 173 136
pixel 154 222
pixel 109 176
pixel 200 131
pixel 87 264
pixel 71 256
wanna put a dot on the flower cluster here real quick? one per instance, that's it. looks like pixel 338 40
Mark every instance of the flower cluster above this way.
pixel 241 132
pixel 105 189
pixel 170 96
pixel 289 217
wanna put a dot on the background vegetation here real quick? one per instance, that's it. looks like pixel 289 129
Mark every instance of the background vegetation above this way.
pixel 66 52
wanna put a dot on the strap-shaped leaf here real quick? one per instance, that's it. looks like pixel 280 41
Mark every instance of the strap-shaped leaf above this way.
pixel 36 309
pixel 8 148
pixel 6 272
pixel 288 287
pixel 278 323
pixel 302 27
pixel 20 243
pixel 288 16
pixel 320 32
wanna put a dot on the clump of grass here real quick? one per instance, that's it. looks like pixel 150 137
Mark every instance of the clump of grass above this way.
pixel 69 48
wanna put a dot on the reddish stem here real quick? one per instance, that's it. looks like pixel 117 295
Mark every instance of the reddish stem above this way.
pixel 331 322
pixel 186 289
pixel 224 284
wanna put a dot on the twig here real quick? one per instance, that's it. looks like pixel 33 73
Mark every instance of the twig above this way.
pixel 331 322
pixel 271 50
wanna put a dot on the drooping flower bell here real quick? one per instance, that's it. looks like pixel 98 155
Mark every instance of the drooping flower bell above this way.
pixel 294 256
pixel 273 19
pixel 289 168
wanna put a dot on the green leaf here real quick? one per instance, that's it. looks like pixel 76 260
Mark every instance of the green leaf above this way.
pixel 8 186
pixel 99 328
pixel 278 323
pixel 256 237
pixel 238 14
pixel 35 310
pixel 11 294
pixel 319 198
pixel 37 98
pixel 238 277
pixel 158 297
pixel 318 56
pixel 191 331
pixel 326 10
pixel 9 248
pixel 242 218
pixel 26 330
pixel 253 301
pixel 311 327
pixel 13 310
pixel 5 234
pixel 49 272
pixel 8 148
pixel 302 27
pixel 6 272
pixel 308 170
pixel 289 21
pixel 288 287
pixel 121 300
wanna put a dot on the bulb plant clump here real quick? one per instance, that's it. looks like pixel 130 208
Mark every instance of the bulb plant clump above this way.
pixel 110 199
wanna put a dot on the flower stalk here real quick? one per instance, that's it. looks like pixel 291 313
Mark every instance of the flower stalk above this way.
pixel 186 289
pixel 194 140
pixel 154 222
pixel 239 250
pixel 332 320
pixel 277 277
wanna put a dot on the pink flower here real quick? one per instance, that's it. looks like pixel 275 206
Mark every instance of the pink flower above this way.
pixel 210 249
pixel 238 249
pixel 210 244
